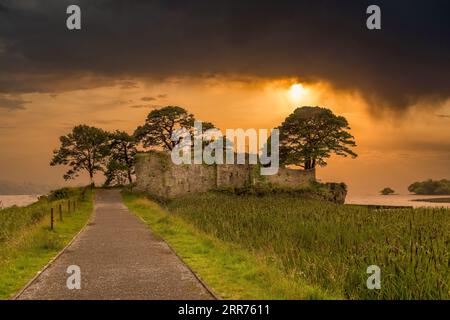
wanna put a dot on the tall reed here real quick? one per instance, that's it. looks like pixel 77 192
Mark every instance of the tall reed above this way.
pixel 332 245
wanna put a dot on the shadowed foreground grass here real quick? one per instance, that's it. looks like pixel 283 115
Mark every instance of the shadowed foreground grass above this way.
pixel 302 242
pixel 231 271
pixel 29 244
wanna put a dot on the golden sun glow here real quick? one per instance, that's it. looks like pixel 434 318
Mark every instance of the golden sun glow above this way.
pixel 297 91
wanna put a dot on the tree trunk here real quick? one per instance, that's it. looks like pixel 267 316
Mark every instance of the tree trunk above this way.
pixel 130 179
pixel 307 164
pixel 128 162
pixel 91 178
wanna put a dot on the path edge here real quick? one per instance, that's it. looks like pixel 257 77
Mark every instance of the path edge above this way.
pixel 52 260
pixel 202 282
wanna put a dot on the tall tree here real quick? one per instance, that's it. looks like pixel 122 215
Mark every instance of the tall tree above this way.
pixel 161 124
pixel 120 167
pixel 310 135
pixel 85 148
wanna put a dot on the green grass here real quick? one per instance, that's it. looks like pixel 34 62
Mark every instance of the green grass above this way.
pixel 321 244
pixel 28 244
pixel 231 271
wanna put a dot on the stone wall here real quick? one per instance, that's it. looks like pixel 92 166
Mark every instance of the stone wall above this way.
pixel 233 175
pixel 157 175
pixel 291 178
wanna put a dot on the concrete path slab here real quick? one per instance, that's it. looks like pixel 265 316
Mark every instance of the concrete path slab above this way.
pixel 119 258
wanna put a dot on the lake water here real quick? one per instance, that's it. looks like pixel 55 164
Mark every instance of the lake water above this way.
pixel 395 200
pixel 18 200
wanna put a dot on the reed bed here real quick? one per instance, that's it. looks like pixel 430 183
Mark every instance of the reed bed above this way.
pixel 332 245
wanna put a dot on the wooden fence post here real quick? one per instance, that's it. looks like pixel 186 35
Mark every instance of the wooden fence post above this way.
pixel 51 219
pixel 60 212
pixel 68 205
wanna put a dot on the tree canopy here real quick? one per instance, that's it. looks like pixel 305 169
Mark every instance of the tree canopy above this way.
pixel 85 148
pixel 431 187
pixel 161 124
pixel 310 135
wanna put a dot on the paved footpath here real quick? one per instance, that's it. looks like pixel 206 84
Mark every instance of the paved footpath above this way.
pixel 119 258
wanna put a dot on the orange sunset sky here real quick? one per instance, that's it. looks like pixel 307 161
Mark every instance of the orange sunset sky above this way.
pixel 395 149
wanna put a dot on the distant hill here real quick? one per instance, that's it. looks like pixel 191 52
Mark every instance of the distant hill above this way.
pixel 11 188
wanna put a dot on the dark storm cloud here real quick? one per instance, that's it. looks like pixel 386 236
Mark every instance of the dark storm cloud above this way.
pixel 128 85
pixel 406 61
pixel 12 103
pixel 145 106
pixel 106 122
pixel 148 98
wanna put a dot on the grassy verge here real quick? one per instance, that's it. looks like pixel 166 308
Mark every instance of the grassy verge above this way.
pixel 30 245
pixel 231 271
pixel 297 241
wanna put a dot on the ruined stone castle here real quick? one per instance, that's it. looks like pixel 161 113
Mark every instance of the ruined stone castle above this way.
pixel 158 175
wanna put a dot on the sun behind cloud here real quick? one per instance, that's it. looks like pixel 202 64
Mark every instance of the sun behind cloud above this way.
pixel 296 92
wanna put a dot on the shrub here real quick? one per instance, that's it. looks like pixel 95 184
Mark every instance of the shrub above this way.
pixel 59 194
pixel 431 187
pixel 387 191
